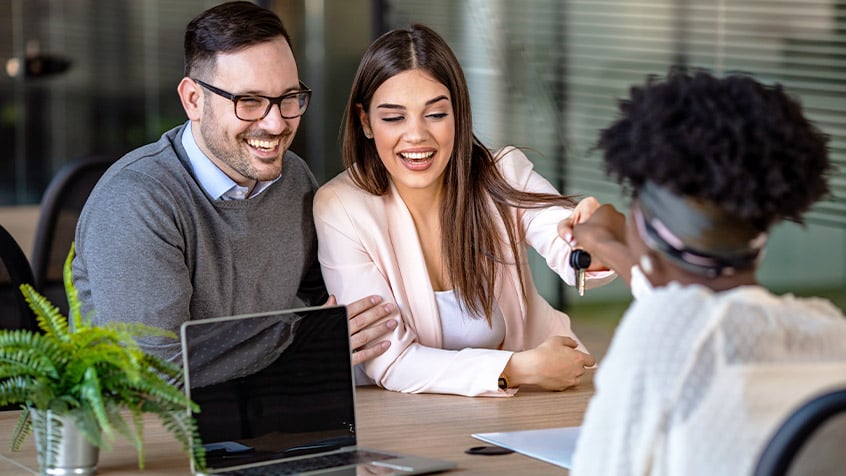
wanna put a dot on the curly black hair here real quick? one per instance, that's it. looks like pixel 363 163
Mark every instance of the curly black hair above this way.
pixel 732 141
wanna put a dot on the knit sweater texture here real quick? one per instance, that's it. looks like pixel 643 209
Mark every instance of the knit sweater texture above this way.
pixel 153 247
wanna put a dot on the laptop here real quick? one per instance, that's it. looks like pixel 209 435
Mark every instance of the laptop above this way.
pixel 277 396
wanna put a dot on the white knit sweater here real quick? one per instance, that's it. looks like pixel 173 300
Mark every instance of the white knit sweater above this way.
pixel 695 382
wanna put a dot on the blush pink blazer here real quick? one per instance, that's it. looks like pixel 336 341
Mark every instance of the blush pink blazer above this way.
pixel 368 244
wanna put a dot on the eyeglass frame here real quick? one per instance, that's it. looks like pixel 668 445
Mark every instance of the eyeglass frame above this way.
pixel 277 101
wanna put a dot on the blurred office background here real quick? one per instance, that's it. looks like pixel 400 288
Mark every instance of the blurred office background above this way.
pixel 93 77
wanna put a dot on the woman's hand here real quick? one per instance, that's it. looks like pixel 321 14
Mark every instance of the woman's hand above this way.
pixel 554 365
pixel 604 225
pixel 365 329
pixel 604 237
pixel 583 211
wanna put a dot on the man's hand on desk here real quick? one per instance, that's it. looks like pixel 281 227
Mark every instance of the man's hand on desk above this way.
pixel 365 329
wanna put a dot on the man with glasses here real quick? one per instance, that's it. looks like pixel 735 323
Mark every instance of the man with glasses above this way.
pixel 215 218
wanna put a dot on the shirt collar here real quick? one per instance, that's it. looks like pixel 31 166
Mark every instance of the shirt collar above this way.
pixel 213 180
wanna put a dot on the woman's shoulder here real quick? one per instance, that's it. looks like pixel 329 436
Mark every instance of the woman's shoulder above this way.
pixel 341 185
pixel 687 308
pixel 668 310
pixel 341 192
pixel 762 297
pixel 770 317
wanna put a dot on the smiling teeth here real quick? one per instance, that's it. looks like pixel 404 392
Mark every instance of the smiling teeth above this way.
pixel 416 155
pixel 262 144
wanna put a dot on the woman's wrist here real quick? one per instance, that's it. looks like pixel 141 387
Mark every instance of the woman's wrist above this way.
pixel 514 373
pixel 615 257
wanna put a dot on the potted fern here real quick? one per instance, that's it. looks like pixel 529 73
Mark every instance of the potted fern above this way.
pixel 76 382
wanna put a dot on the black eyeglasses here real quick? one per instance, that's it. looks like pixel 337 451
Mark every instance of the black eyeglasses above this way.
pixel 252 107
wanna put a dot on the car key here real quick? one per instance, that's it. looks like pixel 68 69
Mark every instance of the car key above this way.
pixel 580 261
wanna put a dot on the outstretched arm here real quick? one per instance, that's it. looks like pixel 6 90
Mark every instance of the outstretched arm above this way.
pixel 541 225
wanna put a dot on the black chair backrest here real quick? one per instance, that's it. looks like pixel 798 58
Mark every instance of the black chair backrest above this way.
pixel 60 208
pixel 14 271
pixel 810 441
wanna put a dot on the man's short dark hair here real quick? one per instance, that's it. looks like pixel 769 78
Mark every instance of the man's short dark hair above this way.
pixel 226 28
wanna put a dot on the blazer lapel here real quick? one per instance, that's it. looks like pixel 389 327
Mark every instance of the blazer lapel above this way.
pixel 423 310
pixel 510 298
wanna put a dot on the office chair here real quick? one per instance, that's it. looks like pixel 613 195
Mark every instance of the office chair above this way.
pixel 810 441
pixel 14 271
pixel 60 208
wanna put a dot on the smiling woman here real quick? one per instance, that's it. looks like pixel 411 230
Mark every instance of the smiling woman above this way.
pixel 428 216
pixel 413 127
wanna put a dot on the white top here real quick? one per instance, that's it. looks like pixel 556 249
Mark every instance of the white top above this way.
pixel 695 382
pixel 462 330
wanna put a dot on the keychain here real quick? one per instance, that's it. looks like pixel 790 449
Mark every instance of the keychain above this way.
pixel 580 261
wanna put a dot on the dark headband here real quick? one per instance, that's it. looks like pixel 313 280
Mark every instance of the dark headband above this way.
pixel 696 234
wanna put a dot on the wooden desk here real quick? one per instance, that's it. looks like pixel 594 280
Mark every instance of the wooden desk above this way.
pixel 437 426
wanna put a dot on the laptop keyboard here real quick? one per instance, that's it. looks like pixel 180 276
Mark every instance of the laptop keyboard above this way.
pixel 334 460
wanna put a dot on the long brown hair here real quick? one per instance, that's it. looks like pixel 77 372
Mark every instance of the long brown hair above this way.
pixel 472 182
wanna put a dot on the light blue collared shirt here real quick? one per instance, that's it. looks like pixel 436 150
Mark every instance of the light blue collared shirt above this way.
pixel 216 183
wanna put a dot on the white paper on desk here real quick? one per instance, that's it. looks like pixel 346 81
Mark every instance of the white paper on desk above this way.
pixel 552 445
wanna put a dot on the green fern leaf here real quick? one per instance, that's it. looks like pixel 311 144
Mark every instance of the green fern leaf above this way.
pixel 94 374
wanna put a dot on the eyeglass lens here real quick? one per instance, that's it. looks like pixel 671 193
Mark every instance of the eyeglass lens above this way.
pixel 253 108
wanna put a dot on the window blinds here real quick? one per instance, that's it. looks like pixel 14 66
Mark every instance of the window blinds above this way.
pixel 547 73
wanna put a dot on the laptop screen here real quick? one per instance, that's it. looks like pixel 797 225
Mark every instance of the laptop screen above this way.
pixel 270 385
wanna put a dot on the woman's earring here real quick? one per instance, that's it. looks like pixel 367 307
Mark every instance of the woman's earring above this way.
pixel 368 134
pixel 646 264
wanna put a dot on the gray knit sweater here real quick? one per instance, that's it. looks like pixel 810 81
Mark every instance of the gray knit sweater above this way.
pixel 152 247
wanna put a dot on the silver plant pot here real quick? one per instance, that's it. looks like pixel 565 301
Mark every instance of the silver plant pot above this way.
pixel 62 449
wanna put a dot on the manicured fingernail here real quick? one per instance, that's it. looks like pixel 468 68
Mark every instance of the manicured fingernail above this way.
pixel 375 299
pixel 568 237
pixel 391 324
pixel 385 344
pixel 388 307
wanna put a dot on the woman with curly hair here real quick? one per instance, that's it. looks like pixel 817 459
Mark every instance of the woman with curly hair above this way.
pixel 706 362
pixel 427 215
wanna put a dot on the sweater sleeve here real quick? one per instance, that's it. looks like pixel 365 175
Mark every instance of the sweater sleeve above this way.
pixel 354 267
pixel 130 264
